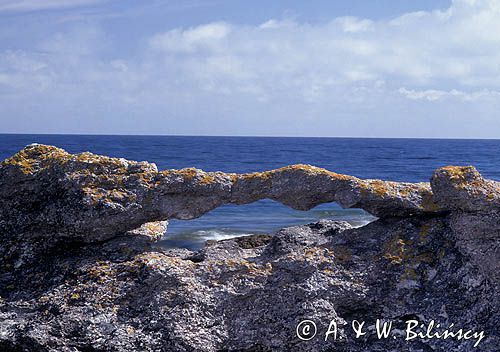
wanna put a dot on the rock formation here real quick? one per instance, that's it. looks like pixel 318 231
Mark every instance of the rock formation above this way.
pixel 89 197
pixel 80 271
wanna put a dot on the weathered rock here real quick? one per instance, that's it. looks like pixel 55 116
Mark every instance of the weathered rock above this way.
pixel 119 296
pixel 475 219
pixel 90 197
pixel 463 188
pixel 48 196
pixel 79 270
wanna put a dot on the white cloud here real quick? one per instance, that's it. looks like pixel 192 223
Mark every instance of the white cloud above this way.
pixel 34 5
pixel 348 76
pixel 191 40
pixel 425 48
pixel 354 25
pixel 434 94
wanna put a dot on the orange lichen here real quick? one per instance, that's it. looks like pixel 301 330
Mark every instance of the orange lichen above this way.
pixel 376 187
pixel 341 177
pixel 379 187
pixel 207 179
pixel 117 195
pixel 188 173
pixel 317 254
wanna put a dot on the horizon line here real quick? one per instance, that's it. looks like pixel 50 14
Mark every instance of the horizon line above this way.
pixel 238 136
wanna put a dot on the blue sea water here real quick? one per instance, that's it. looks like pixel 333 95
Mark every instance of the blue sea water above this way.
pixel 410 160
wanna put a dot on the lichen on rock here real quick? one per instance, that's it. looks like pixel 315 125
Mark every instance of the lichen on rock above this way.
pixel 90 198
pixel 80 271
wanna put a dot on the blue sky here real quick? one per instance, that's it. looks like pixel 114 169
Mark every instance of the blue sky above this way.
pixel 289 68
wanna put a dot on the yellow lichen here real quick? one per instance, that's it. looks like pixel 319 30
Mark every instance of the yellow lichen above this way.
pixel 376 187
pixel 233 177
pixel 101 271
pixel 458 172
pixel 30 156
pixel 340 177
pixel 404 192
pixel 462 176
pixel 258 175
pixel 207 179
pixel 309 169
pixel 379 187
pixel 188 173
pixel 394 250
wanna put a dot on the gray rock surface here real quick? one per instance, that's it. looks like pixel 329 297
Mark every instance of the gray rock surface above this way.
pixel 463 188
pixel 80 271
pixel 89 197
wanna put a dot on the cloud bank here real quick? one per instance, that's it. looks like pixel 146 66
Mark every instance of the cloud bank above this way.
pixel 423 74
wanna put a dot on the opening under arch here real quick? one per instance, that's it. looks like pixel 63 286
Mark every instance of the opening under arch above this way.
pixel 261 217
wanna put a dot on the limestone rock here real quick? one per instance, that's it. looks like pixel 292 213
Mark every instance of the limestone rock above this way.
pixel 463 188
pixel 475 219
pixel 249 295
pixel 86 197
pixel 80 271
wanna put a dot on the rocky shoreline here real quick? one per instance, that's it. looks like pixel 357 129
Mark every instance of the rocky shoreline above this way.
pixel 80 271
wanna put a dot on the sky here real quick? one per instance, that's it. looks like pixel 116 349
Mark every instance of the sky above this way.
pixel 346 68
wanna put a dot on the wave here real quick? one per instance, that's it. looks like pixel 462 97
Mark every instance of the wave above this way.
pixel 195 239
pixel 218 234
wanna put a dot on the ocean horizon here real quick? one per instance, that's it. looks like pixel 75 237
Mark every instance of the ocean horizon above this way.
pixel 411 160
pixel 234 136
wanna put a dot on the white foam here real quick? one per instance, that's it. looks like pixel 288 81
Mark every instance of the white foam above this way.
pixel 217 234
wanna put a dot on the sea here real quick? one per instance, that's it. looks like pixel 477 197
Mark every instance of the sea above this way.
pixel 411 160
